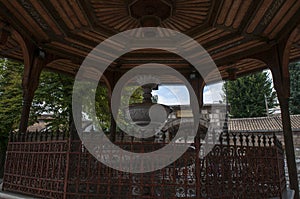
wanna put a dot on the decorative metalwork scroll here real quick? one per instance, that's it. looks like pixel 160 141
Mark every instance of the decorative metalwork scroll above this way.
pixel 53 166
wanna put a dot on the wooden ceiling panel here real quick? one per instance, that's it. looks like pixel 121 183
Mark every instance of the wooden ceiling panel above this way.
pixel 233 12
pixel 224 11
pixel 235 48
pixel 11 50
pixel 48 19
pixel 113 13
pixel 63 65
pixel 243 9
pixel 33 25
pixel 282 12
pixel 227 29
pixel 287 18
pixel 295 53
pixel 259 15
pixel 67 14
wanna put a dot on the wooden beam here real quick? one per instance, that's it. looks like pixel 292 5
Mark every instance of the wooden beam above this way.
pixel 275 60
pixel 30 84
pixel 4 35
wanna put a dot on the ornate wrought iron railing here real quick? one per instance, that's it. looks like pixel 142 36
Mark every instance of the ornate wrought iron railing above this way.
pixel 54 166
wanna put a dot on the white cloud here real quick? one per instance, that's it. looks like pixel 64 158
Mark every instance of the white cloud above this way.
pixel 172 95
pixel 179 95
pixel 213 93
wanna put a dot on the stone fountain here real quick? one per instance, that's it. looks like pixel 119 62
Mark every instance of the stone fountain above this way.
pixel 150 117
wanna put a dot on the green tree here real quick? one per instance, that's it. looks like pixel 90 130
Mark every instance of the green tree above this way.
pixel 294 69
pixel 54 96
pixel 10 95
pixel 10 102
pixel 247 95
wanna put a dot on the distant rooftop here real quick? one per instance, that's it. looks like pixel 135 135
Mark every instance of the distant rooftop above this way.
pixel 262 124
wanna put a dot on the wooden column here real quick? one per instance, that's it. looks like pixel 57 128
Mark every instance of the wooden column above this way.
pixel 111 79
pixel 30 83
pixel 288 137
pixel 279 67
pixel 197 84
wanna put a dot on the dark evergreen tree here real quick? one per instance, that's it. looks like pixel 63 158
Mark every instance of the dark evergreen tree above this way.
pixel 294 69
pixel 247 95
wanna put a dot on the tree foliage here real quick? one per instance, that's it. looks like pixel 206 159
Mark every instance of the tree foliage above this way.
pixel 54 96
pixel 10 95
pixel 294 69
pixel 247 95
pixel 10 102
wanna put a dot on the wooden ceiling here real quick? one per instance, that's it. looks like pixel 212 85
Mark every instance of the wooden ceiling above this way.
pixel 230 30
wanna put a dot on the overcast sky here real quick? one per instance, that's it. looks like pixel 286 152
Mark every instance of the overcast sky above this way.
pixel 178 95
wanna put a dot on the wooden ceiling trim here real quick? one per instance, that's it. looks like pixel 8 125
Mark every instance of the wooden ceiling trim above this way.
pixel 287 17
pixel 73 17
pixel 241 13
pixel 294 53
pixel 115 21
pixel 109 18
pixel 185 23
pixel 175 24
pixel 112 13
pixel 79 13
pixel 59 69
pixel 79 43
pixel 225 9
pixel 124 24
pixel 237 49
pixel 151 57
pixel 196 19
pixel 223 44
pixel 193 13
pixel 21 18
pixel 173 65
pixel 169 25
pixel 32 16
pixel 12 52
pixel 88 12
pixel 214 37
pixel 105 9
pixel 91 36
pixel 46 17
pixel 190 22
pixel 206 32
pixel 297 37
pixel 66 64
pixel 233 12
pixel 259 15
pixel 62 14
pixel 67 47
pixel 283 10
pixel 204 39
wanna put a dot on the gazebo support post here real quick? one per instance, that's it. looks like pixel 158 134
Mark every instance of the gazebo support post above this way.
pixel 197 84
pixel 112 79
pixel 30 83
pixel 281 79
pixel 289 145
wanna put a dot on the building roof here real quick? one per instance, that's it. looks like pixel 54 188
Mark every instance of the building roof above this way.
pixel 262 124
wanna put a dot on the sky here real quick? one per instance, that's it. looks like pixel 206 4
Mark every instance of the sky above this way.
pixel 178 94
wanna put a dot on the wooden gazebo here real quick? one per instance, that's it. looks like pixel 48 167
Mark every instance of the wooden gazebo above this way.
pixel 241 37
